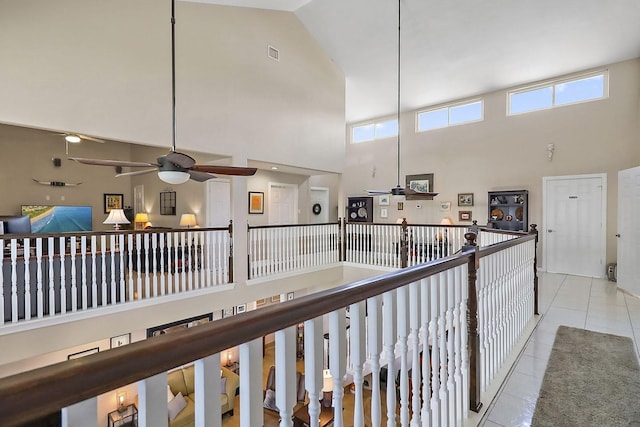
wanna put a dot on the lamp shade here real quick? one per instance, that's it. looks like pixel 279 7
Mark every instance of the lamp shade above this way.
pixel 327 380
pixel 141 217
pixel 116 217
pixel 188 220
pixel 446 221
pixel 174 177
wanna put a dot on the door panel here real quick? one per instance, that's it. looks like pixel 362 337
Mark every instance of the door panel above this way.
pixel 574 238
pixel 283 204
pixel 628 232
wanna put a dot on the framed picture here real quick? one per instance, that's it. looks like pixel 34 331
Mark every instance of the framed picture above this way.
pixel 290 296
pixel 241 308
pixel 384 213
pixel 465 199
pixel 112 201
pixel 275 298
pixel 83 353
pixel 180 325
pixel 464 215
pixel 121 340
pixel 228 312
pixel 445 206
pixel 168 203
pixel 138 199
pixel 260 302
pixel 256 202
pixel 384 200
pixel 422 182
pixel 400 206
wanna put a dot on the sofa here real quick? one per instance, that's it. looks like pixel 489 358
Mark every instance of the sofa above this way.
pixel 182 381
pixel 271 414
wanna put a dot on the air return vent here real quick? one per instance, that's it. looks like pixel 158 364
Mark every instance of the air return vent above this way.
pixel 273 53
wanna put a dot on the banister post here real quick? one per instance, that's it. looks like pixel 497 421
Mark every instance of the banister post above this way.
pixel 533 230
pixel 473 339
pixel 404 245
pixel 341 239
pixel 230 251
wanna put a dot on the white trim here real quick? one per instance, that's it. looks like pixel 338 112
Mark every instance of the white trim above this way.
pixel 448 107
pixel 603 230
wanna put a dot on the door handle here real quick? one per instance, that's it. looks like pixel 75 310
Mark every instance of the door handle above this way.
pixel 618 235
pixel 549 231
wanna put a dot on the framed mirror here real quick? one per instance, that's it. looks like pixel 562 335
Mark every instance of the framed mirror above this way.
pixel 168 203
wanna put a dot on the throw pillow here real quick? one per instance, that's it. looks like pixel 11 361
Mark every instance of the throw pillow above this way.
pixel 176 406
pixel 169 394
pixel 270 400
pixel 223 385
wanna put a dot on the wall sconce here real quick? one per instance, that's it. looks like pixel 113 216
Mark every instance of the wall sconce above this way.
pixel 121 399
pixel 141 218
pixel 327 388
pixel 228 358
pixel 188 220
pixel 550 150
pixel 116 217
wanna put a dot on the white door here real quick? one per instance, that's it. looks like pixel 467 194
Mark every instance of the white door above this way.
pixel 319 205
pixel 628 230
pixel 283 204
pixel 218 196
pixel 574 217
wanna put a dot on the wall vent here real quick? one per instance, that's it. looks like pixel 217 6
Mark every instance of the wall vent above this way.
pixel 273 53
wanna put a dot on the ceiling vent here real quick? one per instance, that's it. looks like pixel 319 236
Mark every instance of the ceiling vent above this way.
pixel 273 53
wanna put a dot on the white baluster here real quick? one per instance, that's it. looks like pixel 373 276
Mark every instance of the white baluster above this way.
pixel 83 413
pixel 112 261
pixel 285 374
pixel 94 273
pixel 63 282
pixel 74 285
pixel 451 330
pixel 52 289
pixel 389 338
pixel 130 254
pixel 403 333
pixel 357 335
pixel 374 343
pixel 122 267
pixel 435 351
pixel 2 296
pixel 154 263
pixel 425 320
pixel 313 335
pixel 337 361
pixel 40 294
pixel 251 399
pixel 139 265
pixel 26 249
pixel 442 347
pixel 414 324
pixel 206 390
pixel 148 259
pixel 152 401
pixel 83 283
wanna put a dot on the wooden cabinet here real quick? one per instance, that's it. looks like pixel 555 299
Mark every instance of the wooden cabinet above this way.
pixel 508 210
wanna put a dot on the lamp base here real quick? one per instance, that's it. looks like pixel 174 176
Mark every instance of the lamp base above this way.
pixel 327 399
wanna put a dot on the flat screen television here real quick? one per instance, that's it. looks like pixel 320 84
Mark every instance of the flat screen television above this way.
pixel 58 219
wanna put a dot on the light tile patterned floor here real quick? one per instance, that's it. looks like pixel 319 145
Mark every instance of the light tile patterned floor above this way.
pixel 594 304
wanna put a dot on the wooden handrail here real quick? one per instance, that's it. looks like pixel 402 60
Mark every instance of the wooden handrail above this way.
pixel 79 234
pixel 255 227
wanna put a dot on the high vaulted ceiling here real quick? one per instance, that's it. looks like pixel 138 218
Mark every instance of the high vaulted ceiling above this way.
pixel 458 49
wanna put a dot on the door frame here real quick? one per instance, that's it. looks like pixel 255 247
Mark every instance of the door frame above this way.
pixel 603 207
pixel 294 187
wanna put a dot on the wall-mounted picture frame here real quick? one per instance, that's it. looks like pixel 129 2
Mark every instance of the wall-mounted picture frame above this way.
pixel 384 200
pixel 275 298
pixel 421 182
pixel 83 353
pixel 112 201
pixel 168 203
pixel 261 302
pixel 241 308
pixel 168 328
pixel 465 199
pixel 138 199
pixel 256 202
pixel 121 340
pixel 290 296
pixel 465 215
pixel 228 312
pixel 445 206
pixel 400 206
pixel 384 213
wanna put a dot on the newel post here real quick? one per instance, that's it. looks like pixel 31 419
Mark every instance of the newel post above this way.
pixel 230 251
pixel 534 230
pixel 404 244
pixel 473 338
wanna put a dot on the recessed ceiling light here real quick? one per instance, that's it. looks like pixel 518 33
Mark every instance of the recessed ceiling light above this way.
pixel 275 168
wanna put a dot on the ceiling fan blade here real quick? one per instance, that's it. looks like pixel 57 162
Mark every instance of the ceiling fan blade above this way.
pixel 91 138
pixel 180 159
pixel 225 170
pixel 134 173
pixel 200 176
pixel 378 192
pixel 415 194
pixel 104 162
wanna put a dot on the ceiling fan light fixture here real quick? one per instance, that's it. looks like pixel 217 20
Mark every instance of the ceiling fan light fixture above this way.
pixel 74 139
pixel 174 177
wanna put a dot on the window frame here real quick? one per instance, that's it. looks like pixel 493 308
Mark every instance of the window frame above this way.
pixel 373 123
pixel 553 83
pixel 448 107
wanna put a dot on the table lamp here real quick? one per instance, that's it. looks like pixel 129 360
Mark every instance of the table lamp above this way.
pixel 188 220
pixel 141 218
pixel 116 217
pixel 443 234
pixel 327 388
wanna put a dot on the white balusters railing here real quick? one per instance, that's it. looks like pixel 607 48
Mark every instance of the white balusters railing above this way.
pixel 43 276
pixel 505 303
pixel 280 249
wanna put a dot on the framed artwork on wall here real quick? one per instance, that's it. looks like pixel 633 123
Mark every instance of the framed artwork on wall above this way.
pixel 83 353
pixel 421 182
pixel 465 199
pixel 121 340
pixel 256 202
pixel 112 201
pixel 168 203
pixel 464 215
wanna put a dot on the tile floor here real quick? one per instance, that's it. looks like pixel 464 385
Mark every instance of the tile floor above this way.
pixel 594 304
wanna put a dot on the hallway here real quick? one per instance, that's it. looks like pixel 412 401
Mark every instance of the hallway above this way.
pixel 581 302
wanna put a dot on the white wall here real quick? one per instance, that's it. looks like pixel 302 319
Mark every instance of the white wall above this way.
pixel 505 152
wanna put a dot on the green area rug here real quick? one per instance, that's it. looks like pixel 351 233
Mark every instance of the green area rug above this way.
pixel 592 379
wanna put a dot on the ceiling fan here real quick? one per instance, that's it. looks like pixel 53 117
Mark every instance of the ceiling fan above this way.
pixel 174 167
pixel 398 190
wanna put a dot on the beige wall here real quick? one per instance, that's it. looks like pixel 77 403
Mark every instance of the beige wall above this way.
pixel 103 69
pixel 505 152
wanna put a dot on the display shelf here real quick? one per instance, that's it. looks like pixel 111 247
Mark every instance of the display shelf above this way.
pixel 508 210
